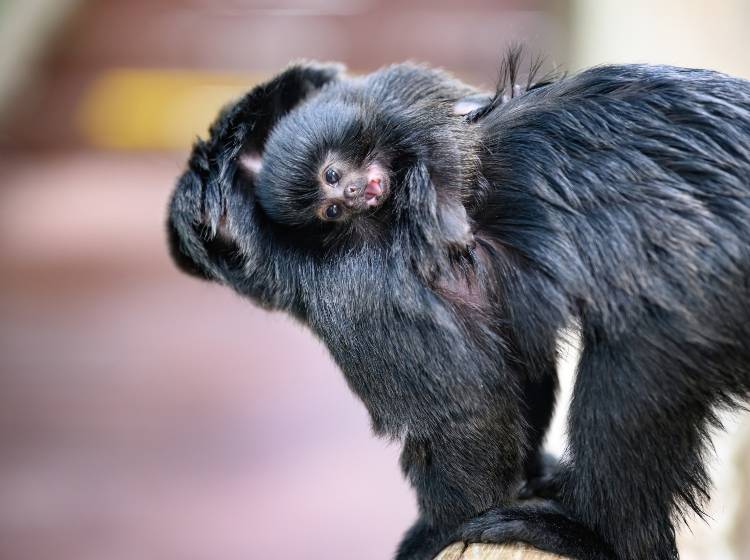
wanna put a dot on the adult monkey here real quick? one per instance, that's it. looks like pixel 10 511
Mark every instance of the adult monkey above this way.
pixel 617 199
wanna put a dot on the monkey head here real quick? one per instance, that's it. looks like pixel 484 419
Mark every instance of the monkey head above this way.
pixel 325 163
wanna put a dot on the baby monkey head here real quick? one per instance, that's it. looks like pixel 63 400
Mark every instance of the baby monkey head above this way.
pixel 347 189
pixel 324 163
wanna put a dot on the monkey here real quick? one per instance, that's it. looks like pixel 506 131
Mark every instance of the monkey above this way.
pixel 439 253
pixel 354 176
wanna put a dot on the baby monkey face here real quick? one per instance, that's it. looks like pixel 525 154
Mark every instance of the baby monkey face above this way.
pixel 347 189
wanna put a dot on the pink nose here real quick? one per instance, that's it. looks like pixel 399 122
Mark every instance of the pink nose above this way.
pixel 352 191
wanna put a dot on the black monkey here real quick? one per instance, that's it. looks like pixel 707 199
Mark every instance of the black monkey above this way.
pixel 439 257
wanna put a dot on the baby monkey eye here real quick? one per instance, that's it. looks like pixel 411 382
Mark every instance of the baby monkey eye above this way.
pixel 333 211
pixel 332 177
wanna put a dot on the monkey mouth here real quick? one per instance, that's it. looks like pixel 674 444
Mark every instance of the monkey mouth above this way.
pixel 373 191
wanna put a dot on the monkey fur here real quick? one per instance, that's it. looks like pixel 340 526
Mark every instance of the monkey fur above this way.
pixel 615 201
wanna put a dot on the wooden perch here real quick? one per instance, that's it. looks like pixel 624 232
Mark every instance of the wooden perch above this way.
pixel 462 551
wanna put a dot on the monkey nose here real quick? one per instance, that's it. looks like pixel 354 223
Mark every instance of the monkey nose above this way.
pixel 351 191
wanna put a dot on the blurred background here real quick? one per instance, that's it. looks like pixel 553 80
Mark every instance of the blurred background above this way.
pixel 144 414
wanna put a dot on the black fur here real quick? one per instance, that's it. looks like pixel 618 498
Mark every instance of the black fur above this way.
pixel 616 200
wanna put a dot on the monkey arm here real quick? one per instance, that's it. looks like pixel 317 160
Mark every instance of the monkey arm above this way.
pixel 214 227
pixel 216 233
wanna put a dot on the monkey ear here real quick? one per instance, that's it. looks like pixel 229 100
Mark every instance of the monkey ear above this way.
pixel 471 103
pixel 253 117
pixel 251 163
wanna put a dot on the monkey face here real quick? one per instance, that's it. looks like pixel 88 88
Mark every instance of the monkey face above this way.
pixel 347 189
pixel 324 164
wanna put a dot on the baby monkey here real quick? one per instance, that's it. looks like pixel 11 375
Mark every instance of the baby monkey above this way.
pixel 332 159
pixel 439 240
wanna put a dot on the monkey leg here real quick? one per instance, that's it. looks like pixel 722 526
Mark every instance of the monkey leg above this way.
pixel 638 427
pixel 458 472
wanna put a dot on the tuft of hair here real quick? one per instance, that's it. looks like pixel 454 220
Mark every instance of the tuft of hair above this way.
pixel 517 74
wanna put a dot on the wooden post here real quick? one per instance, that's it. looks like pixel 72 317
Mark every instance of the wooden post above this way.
pixel 462 551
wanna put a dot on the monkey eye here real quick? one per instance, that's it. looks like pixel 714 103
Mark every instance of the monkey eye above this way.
pixel 333 211
pixel 332 177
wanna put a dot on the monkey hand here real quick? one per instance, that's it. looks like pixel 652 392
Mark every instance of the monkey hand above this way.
pixel 542 479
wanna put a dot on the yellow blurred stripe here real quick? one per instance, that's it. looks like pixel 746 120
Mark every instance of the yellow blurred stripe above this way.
pixel 135 109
